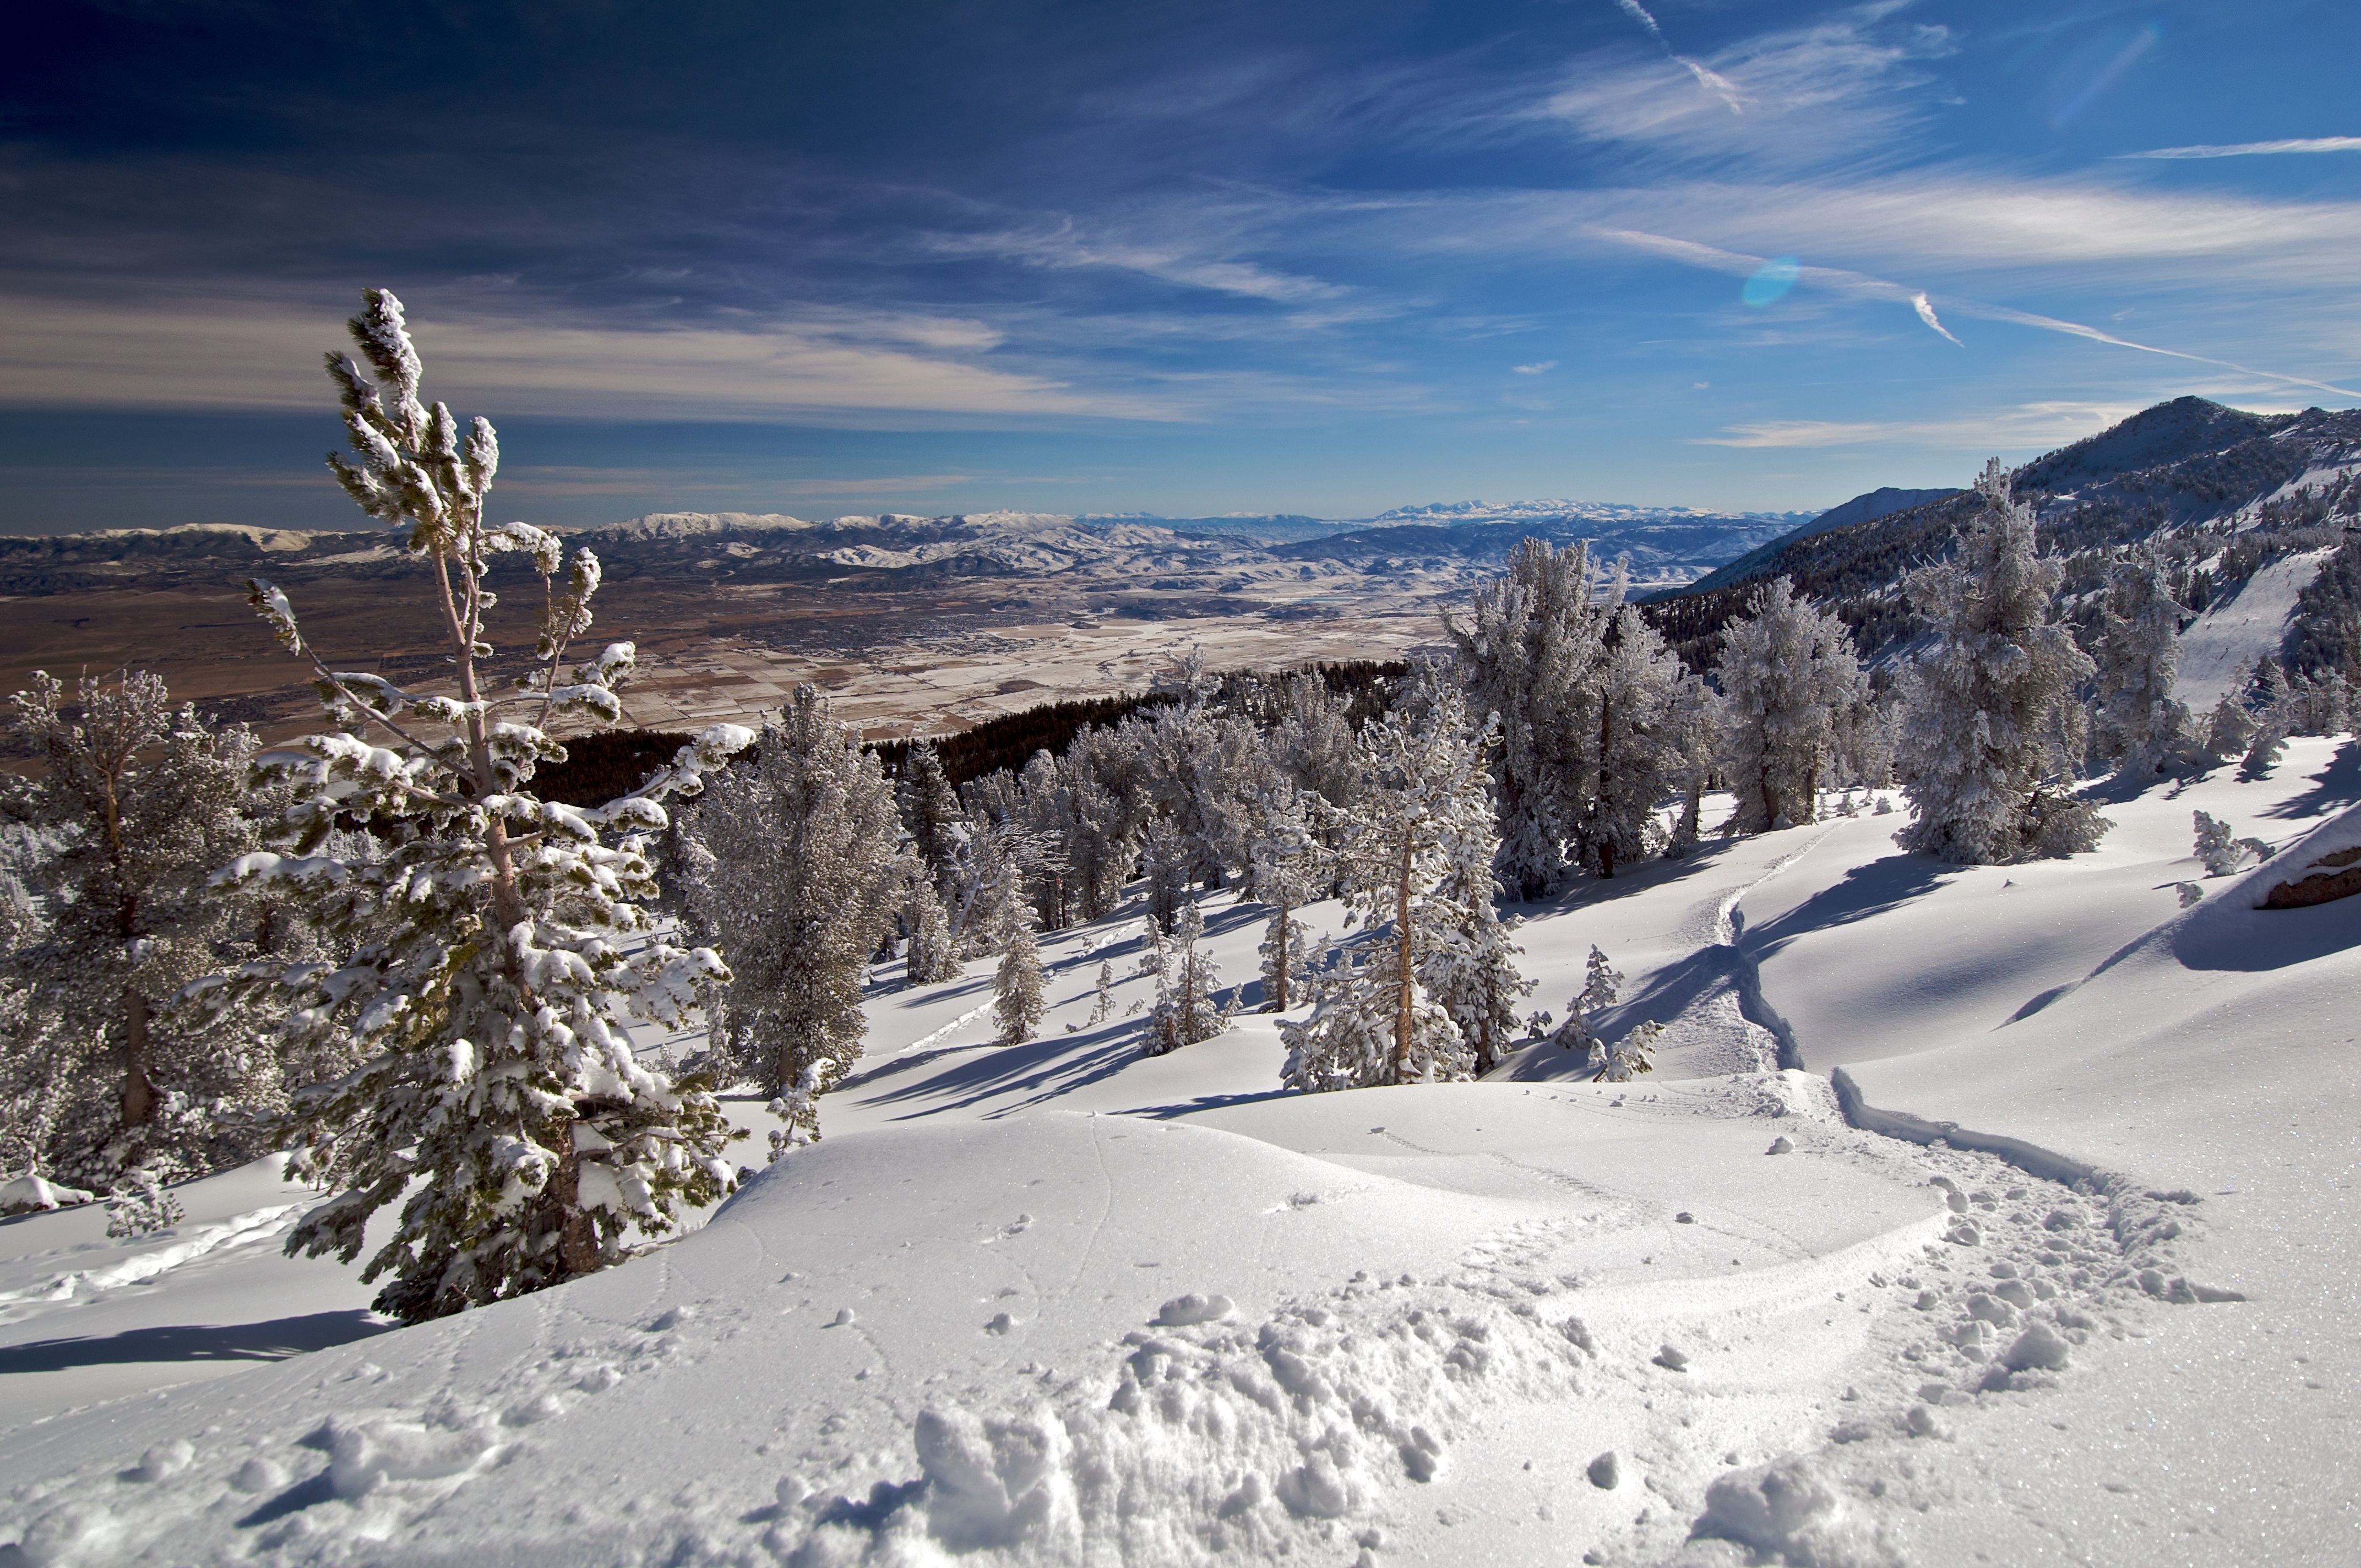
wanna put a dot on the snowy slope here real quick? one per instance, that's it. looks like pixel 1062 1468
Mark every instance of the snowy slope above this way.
pixel 1059 1304
pixel 2219 648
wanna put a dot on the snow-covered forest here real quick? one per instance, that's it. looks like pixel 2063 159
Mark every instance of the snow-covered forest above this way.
pixel 1590 1108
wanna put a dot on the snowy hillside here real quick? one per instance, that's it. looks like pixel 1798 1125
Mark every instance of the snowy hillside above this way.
pixel 1059 1302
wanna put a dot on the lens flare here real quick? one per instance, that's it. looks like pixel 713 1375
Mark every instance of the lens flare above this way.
pixel 2091 70
pixel 1770 279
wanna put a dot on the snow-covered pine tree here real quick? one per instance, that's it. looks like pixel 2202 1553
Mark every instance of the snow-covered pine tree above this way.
pixel 1283 868
pixel 986 879
pixel 1628 1057
pixel 138 803
pixel 1468 964
pixel 1635 695
pixel 2135 724
pixel 930 810
pixel 1164 863
pixel 2218 847
pixel 1528 648
pixel 1186 1009
pixel 1426 791
pixel 1982 751
pixel 488 943
pixel 799 878
pixel 1103 999
pixel 2228 729
pixel 1600 986
pixel 1018 1005
pixel 1313 741
pixel 1792 682
pixel 2271 700
pixel 930 959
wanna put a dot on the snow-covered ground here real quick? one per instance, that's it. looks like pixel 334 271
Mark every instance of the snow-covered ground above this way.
pixel 2218 650
pixel 1061 1303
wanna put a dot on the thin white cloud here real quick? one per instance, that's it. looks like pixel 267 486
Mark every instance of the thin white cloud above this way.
pixel 2027 427
pixel 1066 247
pixel 1785 432
pixel 2255 149
pixel 1538 367
pixel 229 353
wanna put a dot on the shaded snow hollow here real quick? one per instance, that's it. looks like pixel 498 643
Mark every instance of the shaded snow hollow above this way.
pixel 1059 1303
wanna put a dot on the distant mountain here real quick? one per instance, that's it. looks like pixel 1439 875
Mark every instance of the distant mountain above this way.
pixel 2220 491
pixel 1884 502
pixel 1452 513
pixel 1265 527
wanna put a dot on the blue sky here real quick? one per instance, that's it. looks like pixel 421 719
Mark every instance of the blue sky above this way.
pixel 1184 259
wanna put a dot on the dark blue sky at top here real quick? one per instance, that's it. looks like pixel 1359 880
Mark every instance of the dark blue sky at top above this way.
pixel 1186 259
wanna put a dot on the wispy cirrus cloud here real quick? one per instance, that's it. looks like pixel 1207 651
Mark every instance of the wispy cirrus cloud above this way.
pixel 230 354
pixel 1205 264
pixel 2255 149
pixel 1824 94
pixel 2038 425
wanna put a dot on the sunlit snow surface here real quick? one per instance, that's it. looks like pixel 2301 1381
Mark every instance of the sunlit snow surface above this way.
pixel 1058 1303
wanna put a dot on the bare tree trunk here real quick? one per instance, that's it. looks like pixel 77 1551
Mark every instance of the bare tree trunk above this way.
pixel 138 1089
pixel 1605 788
pixel 1284 958
pixel 1403 980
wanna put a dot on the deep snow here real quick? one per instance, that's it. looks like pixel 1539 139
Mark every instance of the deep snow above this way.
pixel 1058 1302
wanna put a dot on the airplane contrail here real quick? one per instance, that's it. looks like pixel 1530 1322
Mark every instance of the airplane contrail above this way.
pixel 2253 149
pixel 1926 313
pixel 1712 81
pixel 1862 285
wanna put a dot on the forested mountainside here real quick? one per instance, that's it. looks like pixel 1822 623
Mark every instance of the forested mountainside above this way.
pixel 2220 493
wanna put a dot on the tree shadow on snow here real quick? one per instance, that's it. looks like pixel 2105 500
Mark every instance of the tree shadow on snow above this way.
pixel 1588 889
pixel 2339 783
pixel 273 1341
pixel 1050 1067
pixel 1866 891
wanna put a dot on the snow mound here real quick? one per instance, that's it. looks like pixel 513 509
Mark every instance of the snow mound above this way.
pixel 34 1195
pixel 1788 1512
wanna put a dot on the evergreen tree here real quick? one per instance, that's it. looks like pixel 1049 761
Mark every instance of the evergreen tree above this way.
pixel 1426 794
pixel 1164 864
pixel 1527 648
pixel 1600 985
pixel 1103 1000
pixel 2271 701
pixel 1793 684
pixel 1186 1010
pixel 1989 711
pixel 930 959
pixel 1313 741
pixel 488 943
pixel 1635 692
pixel 1284 866
pixel 2228 729
pixel 799 873
pixel 136 805
pixel 2137 725
pixel 1016 985
pixel 929 809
